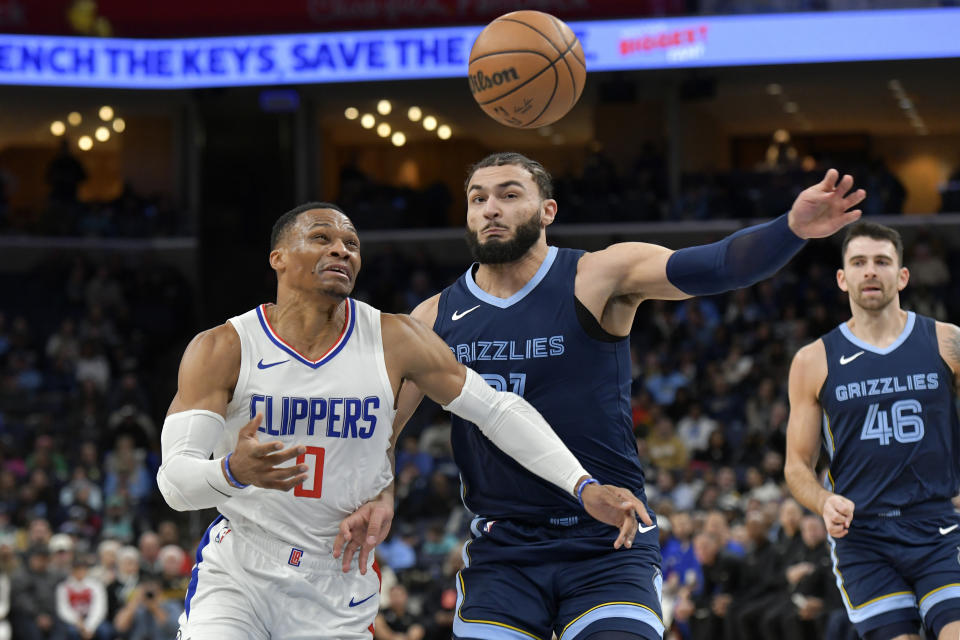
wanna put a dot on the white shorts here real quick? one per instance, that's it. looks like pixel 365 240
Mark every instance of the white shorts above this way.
pixel 258 588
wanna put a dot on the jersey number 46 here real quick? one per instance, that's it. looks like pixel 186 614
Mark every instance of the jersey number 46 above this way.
pixel 907 425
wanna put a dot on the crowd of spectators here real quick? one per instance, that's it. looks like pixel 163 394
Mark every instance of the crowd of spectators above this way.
pixel 88 354
pixel 602 192
pixel 86 548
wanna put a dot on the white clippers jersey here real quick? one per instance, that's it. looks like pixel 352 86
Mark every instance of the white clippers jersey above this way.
pixel 340 407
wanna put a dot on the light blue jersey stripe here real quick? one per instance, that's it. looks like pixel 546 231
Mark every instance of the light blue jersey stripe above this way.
pixel 614 610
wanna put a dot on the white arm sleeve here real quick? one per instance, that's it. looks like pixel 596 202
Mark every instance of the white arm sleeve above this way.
pixel 519 430
pixel 188 478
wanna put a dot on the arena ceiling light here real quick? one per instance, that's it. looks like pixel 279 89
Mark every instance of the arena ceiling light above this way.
pixel 444 132
pixel 119 124
pixel 106 113
pixel 351 113
pixel 74 118
pixel 367 121
pixel 102 134
pixel 414 113
pixel 429 123
pixel 384 107
pixel 383 129
pixel 57 128
pixel 398 139
pixel 85 143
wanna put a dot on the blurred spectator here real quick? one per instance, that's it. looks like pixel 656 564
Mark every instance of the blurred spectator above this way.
pixel 8 567
pixel 398 551
pixel 802 611
pixel 126 470
pixel 705 606
pixel 147 614
pixel 106 568
pixel 64 175
pixel 395 622
pixel 118 522
pixel 149 547
pixel 758 581
pixel 927 269
pixel 440 600
pixel 125 580
pixel 61 554
pixel 34 598
pixel 64 342
pixel 82 603
pixel 694 428
pixel 667 451
pixel 92 365
pixel 173 578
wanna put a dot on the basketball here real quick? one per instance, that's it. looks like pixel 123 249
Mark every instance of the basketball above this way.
pixel 527 69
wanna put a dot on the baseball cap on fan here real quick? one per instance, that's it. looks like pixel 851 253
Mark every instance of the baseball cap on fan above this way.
pixel 60 542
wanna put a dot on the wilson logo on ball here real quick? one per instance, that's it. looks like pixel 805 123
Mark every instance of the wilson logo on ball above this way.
pixel 480 81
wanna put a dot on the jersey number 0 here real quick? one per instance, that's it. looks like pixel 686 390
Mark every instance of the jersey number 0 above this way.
pixel 300 490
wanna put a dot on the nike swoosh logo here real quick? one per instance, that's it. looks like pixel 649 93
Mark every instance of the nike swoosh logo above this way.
pixel 457 315
pixel 849 359
pixel 260 364
pixel 218 490
pixel 645 529
pixel 354 604
pixel 945 531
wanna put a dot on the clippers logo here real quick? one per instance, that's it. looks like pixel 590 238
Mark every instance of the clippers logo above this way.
pixel 222 534
pixel 295 556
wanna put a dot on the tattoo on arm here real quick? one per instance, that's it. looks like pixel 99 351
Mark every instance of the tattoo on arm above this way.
pixel 953 348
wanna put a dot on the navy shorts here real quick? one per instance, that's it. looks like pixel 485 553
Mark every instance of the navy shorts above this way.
pixel 893 570
pixel 524 581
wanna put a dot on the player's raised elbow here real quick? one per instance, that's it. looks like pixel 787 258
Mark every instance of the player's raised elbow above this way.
pixel 171 493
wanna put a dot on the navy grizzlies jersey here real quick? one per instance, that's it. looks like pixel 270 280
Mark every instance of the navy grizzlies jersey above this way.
pixel 533 344
pixel 889 422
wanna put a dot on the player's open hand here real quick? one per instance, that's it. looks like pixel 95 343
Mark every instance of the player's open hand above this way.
pixel 837 515
pixel 617 507
pixel 363 530
pixel 822 210
pixel 262 463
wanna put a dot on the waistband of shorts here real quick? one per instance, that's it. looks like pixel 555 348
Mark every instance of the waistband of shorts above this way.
pixel 288 554
pixel 920 510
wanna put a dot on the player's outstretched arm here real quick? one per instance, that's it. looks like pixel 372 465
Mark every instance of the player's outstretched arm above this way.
pixel 807 374
pixel 507 420
pixel 739 260
pixel 188 479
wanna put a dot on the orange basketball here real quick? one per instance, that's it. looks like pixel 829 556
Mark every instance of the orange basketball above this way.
pixel 527 69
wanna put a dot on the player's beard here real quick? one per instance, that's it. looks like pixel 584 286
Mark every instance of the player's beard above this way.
pixel 875 303
pixel 496 251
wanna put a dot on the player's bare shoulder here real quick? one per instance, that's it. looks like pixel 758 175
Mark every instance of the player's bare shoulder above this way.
pixel 948 340
pixel 426 311
pixel 809 366
pixel 210 363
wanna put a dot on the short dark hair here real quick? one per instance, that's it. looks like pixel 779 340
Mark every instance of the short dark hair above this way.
pixel 283 222
pixel 540 175
pixel 875 231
